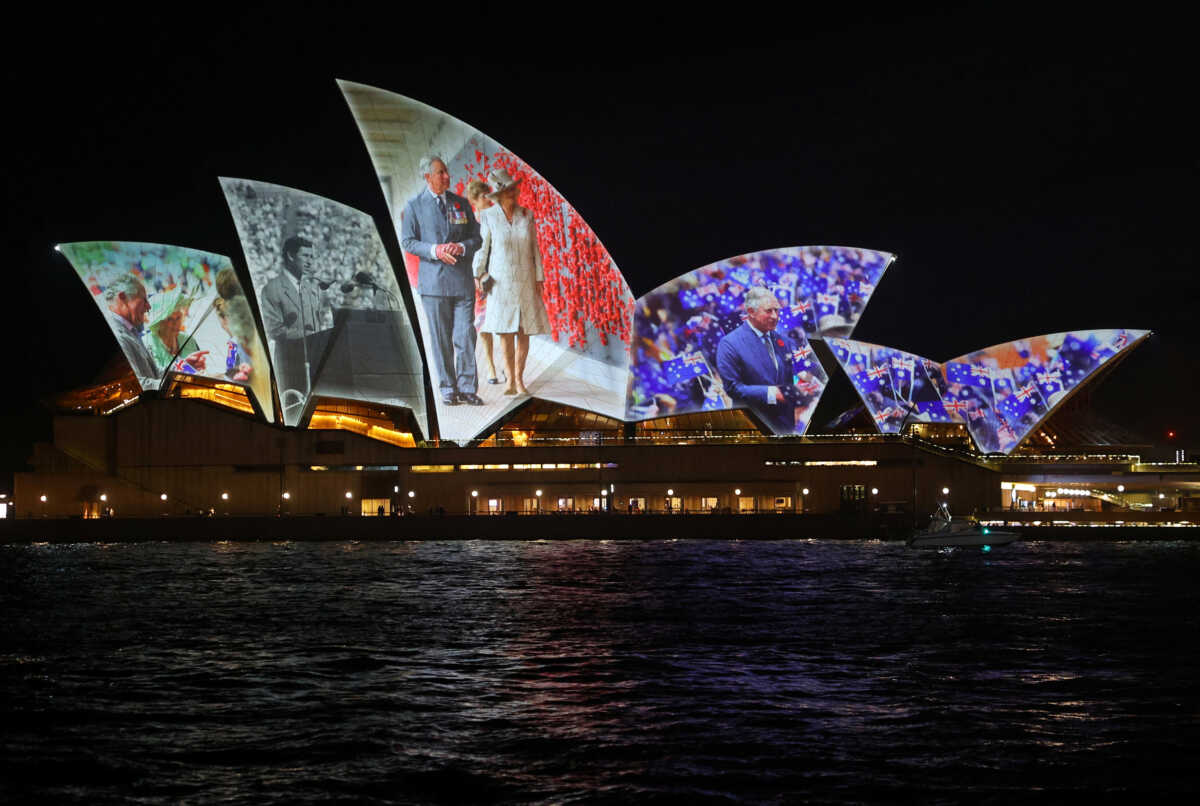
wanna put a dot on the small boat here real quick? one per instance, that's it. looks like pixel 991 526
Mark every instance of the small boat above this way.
pixel 945 530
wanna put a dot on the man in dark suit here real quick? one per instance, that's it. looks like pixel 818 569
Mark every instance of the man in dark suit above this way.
pixel 439 228
pixel 755 363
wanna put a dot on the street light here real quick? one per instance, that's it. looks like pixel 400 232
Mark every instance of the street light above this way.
pixel 804 491
pixel 412 493
pixel 1120 488
pixel 737 490
pixel 945 491
pixel 163 497
pixel 670 492
pixel 349 494
pixel 286 496
pixel 474 493
pixel 224 496
pixel 874 491
pixel 103 496
pixel 43 499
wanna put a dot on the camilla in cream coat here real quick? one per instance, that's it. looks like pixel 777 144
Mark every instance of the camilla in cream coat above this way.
pixel 512 261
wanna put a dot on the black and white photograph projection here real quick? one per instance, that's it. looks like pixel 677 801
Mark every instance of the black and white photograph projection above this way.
pixel 734 334
pixel 331 308
pixel 516 296
pixel 175 310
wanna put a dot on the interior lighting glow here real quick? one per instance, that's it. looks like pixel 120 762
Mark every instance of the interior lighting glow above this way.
pixel 842 463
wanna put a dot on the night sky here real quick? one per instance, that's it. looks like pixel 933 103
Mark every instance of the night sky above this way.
pixel 1033 174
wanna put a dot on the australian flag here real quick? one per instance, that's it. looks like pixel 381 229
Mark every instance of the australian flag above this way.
pixel 798 317
pixel 690 299
pixel 827 304
pixel 685 367
pixel 932 410
pixel 1049 381
pixel 871 380
pixel 968 374
pixel 733 298
pixel 802 356
pixel 840 350
pixel 955 409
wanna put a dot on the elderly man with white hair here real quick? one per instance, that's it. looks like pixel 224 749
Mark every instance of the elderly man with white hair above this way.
pixel 126 299
pixel 754 361
pixel 439 228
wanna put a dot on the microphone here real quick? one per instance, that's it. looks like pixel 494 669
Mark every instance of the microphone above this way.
pixel 364 278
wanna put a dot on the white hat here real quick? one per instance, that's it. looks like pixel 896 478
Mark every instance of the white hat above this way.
pixel 501 181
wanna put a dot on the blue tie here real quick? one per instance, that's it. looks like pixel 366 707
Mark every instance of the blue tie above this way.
pixel 770 350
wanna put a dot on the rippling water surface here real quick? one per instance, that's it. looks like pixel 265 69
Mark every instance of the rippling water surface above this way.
pixel 586 671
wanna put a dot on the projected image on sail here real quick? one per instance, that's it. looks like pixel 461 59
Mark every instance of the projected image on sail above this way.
pixel 516 296
pixel 331 308
pixel 1007 390
pixel 897 387
pixel 175 310
pixel 701 340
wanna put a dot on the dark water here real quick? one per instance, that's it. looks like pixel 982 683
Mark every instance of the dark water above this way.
pixel 598 672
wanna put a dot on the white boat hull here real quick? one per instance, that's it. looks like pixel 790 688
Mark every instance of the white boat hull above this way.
pixel 961 537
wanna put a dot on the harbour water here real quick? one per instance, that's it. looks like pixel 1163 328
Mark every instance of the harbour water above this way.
pixel 596 671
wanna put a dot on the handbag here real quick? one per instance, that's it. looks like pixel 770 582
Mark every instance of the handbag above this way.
pixel 486 281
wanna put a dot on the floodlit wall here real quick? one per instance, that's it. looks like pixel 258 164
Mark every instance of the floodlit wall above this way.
pixel 548 274
pixel 332 311
pixel 694 349
pixel 175 310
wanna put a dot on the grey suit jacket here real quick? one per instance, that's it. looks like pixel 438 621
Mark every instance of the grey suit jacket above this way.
pixel 423 226
pixel 279 298
pixel 148 373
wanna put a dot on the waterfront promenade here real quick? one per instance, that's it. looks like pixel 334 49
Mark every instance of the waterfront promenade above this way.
pixel 757 526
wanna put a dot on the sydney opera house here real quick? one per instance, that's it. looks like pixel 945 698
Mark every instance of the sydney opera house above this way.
pixel 507 367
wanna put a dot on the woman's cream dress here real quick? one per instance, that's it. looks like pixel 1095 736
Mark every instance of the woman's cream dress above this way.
pixel 512 259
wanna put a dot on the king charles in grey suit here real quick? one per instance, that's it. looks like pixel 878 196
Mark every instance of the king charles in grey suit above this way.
pixel 439 228
pixel 755 364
